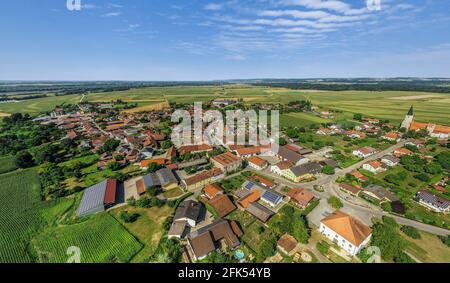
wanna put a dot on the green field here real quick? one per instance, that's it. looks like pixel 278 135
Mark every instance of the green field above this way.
pixel 391 105
pixel 101 239
pixel 7 164
pixel 23 215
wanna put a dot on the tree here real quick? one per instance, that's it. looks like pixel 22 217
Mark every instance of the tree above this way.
pixel 267 248
pixel 357 117
pixel 411 232
pixel 153 167
pixel 143 202
pixel 24 160
pixel 128 217
pixel 443 159
pixel 335 202
pixel 114 166
pixel 328 170
pixel 166 144
pixel 299 230
pixel 110 145
pixel 385 236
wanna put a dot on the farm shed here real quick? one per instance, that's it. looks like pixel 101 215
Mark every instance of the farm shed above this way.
pixel 97 197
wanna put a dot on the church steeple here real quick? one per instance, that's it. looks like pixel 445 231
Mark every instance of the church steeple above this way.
pixel 411 111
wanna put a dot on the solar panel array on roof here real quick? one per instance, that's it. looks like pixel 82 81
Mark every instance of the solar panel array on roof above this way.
pixel 272 197
pixel 151 180
pixel 166 176
pixel 249 185
pixel 93 200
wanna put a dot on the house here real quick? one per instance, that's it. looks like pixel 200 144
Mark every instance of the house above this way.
pixel 251 196
pixel 257 163
pixel 228 162
pixel 287 244
pixel 415 142
pixel 355 135
pixel 402 151
pixel 146 153
pixel 207 239
pixel 280 167
pixel 188 211
pixel 222 205
pixel 163 178
pixel 249 151
pixel 392 136
pixel 213 190
pixel 301 196
pixel 360 177
pixel 365 152
pixel 263 181
pixel 259 211
pixel 390 160
pixel 329 162
pixel 371 120
pixel 202 179
pixel 349 189
pixel 324 132
pixel 345 231
pixel 379 194
pixel 272 198
pixel 302 172
pixel 98 197
pixel 433 202
pixel 177 230
pixel 158 161
pixel 373 166
pixel 286 154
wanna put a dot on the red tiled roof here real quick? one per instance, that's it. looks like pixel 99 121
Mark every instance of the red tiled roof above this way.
pixel 110 193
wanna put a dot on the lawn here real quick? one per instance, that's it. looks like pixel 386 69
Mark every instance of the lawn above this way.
pixel 7 164
pixel 147 228
pixel 39 105
pixel 100 239
pixel 300 119
pixel 428 249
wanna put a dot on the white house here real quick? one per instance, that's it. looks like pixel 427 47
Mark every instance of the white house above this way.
pixel 345 231
pixel 280 167
pixel 433 202
pixel 390 160
pixel 364 152
pixel 373 166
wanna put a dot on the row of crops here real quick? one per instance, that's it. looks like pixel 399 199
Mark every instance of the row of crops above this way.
pixel 7 164
pixel 100 239
pixel 20 218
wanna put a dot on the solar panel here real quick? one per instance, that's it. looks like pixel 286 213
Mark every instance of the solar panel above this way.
pixel 249 185
pixel 93 199
pixel 271 197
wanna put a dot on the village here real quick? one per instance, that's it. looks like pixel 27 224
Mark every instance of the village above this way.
pixel 221 193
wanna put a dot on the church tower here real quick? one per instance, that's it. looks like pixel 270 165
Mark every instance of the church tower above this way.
pixel 408 119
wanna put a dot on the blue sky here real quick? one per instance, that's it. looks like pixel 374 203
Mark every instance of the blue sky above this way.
pixel 234 39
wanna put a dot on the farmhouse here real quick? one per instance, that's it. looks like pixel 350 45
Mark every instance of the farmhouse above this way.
pixel 345 231
pixel 97 198
pixel 228 162
pixel 207 239
pixel 189 212
pixel 379 193
pixel 202 179
pixel 433 202
pixel 285 154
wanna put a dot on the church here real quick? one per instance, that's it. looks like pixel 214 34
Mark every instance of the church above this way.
pixel 434 130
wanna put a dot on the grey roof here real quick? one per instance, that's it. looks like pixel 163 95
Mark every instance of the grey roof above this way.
pixel 188 209
pixel 166 176
pixel 151 180
pixel 259 211
pixel 434 200
pixel 381 193
pixel 192 163
pixel 391 158
pixel 330 162
pixel 309 168
pixel 93 200
pixel 290 155
pixel 177 228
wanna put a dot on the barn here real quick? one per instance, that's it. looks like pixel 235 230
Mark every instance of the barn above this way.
pixel 98 197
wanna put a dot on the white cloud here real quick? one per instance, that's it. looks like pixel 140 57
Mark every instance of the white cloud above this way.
pixel 112 14
pixel 214 7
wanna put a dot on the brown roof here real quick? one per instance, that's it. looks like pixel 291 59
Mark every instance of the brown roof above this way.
pixel 350 188
pixel 236 229
pixel 249 150
pixel 349 228
pixel 262 181
pixel 110 193
pixel 287 243
pixel 194 148
pixel 252 197
pixel 213 190
pixel 202 244
pixel 359 176
pixel 302 196
pixel 223 205
pixel 203 176
pixel 140 186
pixel 257 161
pixel 283 165
pixel 227 158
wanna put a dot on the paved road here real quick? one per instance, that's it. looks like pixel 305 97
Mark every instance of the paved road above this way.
pixel 353 205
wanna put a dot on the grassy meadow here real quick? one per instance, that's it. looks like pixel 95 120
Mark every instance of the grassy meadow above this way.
pixel 391 105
